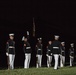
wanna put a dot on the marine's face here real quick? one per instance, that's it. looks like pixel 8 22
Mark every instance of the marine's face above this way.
pixel 63 44
pixel 56 38
pixel 40 41
pixel 25 39
pixel 11 37
pixel 50 42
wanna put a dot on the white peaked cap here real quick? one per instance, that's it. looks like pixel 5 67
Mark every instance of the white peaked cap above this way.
pixel 62 42
pixel 40 38
pixel 12 34
pixel 72 44
pixel 57 36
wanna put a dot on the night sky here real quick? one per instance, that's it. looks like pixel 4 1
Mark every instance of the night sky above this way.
pixel 51 17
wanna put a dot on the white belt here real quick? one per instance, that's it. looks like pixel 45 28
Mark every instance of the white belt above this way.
pixel 39 49
pixel 28 47
pixel 62 51
pixel 11 47
pixel 48 50
pixel 56 47
pixel 72 52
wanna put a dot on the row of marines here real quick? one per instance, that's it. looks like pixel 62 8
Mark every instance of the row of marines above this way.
pixel 55 48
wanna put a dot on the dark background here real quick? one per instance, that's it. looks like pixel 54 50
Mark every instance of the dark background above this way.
pixel 51 17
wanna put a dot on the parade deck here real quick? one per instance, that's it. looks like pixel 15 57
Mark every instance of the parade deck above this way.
pixel 40 71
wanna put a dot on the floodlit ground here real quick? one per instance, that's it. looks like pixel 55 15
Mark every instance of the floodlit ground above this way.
pixel 40 71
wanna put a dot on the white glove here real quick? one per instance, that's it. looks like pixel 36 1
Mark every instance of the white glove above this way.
pixel 36 55
pixel 59 54
pixel 47 55
pixel 71 57
pixel 23 38
pixel 27 32
pixel 6 54
pixel 51 54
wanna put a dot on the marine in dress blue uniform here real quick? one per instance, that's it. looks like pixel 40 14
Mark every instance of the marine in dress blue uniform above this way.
pixel 39 53
pixel 10 51
pixel 71 54
pixel 49 54
pixel 27 50
pixel 62 55
pixel 56 44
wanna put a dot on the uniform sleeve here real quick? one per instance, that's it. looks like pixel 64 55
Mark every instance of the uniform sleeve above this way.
pixel 42 48
pixel 64 51
pixel 14 43
pixel 70 52
pixel 24 47
pixel 60 47
pixel 7 45
pixel 27 37
pixel 14 46
pixel 36 48
pixel 47 50
pixel 51 48
pixel 30 47
pixel 74 52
